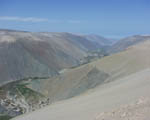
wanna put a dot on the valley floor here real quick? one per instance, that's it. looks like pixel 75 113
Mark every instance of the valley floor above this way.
pixel 127 98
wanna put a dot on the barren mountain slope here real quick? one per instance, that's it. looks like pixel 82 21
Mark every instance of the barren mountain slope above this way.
pixel 72 82
pixel 135 58
pixel 105 98
pixel 129 75
pixel 99 39
pixel 27 54
pixel 127 42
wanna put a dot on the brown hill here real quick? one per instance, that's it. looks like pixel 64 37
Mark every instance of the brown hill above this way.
pixel 27 54
pixel 127 42
pixel 129 75
pixel 72 82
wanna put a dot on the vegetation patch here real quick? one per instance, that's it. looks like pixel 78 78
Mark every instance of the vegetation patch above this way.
pixel 29 94
pixel 5 117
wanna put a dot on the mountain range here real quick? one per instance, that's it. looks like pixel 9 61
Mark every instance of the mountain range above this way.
pixel 73 73
pixel 121 94
pixel 27 54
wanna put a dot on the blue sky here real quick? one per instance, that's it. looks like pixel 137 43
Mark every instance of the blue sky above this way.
pixel 110 18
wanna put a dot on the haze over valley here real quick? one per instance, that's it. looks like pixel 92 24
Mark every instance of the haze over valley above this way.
pixel 44 68
pixel 74 60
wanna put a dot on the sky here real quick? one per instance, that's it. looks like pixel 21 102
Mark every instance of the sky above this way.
pixel 109 18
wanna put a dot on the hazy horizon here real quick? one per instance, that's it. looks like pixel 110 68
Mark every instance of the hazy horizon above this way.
pixel 112 19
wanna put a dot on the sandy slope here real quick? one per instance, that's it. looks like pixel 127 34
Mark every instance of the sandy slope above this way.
pixel 130 79
pixel 29 54
pixel 134 59
pixel 127 42
pixel 105 98
pixel 138 110
pixel 80 79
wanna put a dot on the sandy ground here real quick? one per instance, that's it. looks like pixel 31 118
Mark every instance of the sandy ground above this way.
pixel 99 102
pixel 140 110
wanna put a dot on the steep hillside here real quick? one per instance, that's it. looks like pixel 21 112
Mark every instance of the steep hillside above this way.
pixel 123 79
pixel 16 98
pixel 72 82
pixel 79 41
pixel 29 94
pixel 99 39
pixel 57 56
pixel 133 59
pixel 27 54
pixel 95 104
pixel 127 42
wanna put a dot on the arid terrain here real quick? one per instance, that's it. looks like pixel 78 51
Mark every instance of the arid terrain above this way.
pixel 74 60
pixel 69 76
pixel 122 94
pixel 138 110
pixel 107 98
